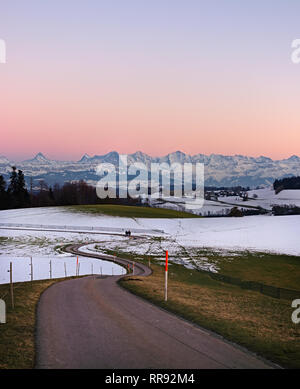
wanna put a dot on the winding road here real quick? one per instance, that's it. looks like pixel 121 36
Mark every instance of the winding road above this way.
pixel 92 322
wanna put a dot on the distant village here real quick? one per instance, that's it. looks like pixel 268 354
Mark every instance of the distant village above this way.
pixel 213 194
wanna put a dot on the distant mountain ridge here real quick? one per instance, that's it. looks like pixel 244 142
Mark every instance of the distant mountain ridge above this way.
pixel 220 170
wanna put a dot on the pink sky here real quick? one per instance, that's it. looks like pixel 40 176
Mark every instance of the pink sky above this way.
pixel 218 84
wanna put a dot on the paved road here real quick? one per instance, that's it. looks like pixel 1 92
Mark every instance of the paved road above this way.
pixel 92 322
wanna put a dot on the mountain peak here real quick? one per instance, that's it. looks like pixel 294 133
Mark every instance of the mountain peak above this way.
pixel 262 158
pixel 4 160
pixel 177 152
pixel 138 153
pixel 293 158
pixel 39 158
pixel 114 153
pixel 85 158
pixel 140 156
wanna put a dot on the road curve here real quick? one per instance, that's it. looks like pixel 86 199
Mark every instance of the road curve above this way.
pixel 92 322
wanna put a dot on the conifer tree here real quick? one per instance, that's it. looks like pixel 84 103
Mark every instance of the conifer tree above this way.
pixel 13 186
pixel 17 192
pixel 3 194
pixel 22 193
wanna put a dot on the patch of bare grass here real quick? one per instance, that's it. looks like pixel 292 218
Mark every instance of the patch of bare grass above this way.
pixel 17 336
pixel 258 322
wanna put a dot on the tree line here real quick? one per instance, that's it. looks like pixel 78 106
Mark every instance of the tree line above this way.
pixel 286 183
pixel 15 194
pixel 285 209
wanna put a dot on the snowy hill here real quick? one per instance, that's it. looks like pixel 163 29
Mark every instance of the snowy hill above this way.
pixel 279 234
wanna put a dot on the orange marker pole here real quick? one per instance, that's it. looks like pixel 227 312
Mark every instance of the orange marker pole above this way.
pixel 77 267
pixel 166 277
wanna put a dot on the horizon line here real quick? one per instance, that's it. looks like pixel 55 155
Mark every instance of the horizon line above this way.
pixel 2 155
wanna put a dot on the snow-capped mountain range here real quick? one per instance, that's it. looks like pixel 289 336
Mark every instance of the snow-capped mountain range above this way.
pixel 220 170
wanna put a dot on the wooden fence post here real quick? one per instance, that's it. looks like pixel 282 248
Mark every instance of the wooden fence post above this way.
pixel 166 277
pixel 31 273
pixel 11 285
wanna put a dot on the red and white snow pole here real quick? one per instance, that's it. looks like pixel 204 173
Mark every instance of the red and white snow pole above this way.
pixel 166 278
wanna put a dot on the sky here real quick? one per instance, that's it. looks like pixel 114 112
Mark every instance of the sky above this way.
pixel 157 76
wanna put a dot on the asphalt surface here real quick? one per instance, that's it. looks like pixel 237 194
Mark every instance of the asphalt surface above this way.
pixel 92 322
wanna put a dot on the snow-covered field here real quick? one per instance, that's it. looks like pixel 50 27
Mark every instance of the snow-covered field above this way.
pixel 182 237
pixel 60 266
pixel 264 198
pixel 209 207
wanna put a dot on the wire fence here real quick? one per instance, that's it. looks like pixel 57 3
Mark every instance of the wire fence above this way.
pixel 27 269
pixel 79 228
pixel 268 290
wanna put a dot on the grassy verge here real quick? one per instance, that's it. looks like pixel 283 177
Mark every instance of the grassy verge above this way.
pixel 130 211
pixel 260 323
pixel 17 344
pixel 281 271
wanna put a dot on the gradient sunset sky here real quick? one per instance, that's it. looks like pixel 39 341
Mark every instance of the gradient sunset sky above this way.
pixel 156 76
